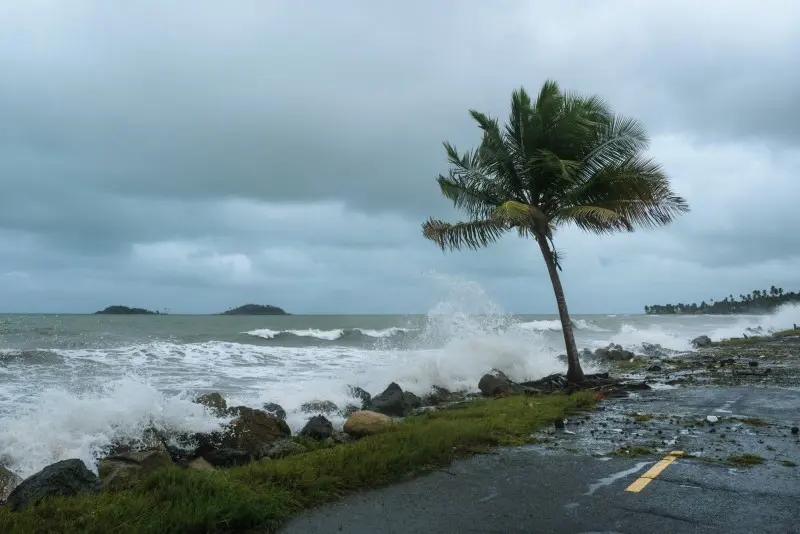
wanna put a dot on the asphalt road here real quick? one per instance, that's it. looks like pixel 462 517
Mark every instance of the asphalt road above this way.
pixel 568 485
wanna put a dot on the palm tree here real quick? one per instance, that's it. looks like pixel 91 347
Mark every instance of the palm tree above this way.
pixel 561 159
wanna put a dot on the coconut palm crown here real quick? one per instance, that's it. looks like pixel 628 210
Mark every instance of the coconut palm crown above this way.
pixel 561 159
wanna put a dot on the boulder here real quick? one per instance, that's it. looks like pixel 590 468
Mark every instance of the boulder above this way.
pixel 282 448
pixel 151 439
pixel 252 430
pixel 367 423
pixel 227 457
pixel 655 351
pixel 275 410
pixel 325 407
pixel 613 352
pixel 213 401
pixel 64 478
pixel 8 481
pixel 701 341
pixel 318 427
pixel 395 402
pixel 124 470
pixel 439 395
pixel 491 385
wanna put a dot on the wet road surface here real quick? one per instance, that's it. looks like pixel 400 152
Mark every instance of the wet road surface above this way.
pixel 568 483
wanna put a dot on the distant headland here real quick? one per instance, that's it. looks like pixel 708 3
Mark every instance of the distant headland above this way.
pixel 247 309
pixel 125 310
pixel 758 301
pixel 255 309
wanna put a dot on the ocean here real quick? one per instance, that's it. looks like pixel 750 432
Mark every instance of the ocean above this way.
pixel 71 384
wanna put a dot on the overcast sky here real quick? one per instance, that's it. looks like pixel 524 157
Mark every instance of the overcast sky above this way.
pixel 197 155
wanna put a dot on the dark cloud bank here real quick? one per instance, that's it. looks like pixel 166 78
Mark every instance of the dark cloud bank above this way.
pixel 196 155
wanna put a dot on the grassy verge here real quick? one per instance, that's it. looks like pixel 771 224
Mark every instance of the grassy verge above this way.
pixel 260 497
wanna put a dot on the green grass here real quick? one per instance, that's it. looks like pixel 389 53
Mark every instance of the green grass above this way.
pixel 261 496
pixel 788 463
pixel 746 460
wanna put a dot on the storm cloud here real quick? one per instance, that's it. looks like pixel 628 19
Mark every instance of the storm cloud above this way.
pixel 197 155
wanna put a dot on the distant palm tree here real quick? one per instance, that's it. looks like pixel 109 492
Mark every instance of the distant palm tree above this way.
pixel 561 159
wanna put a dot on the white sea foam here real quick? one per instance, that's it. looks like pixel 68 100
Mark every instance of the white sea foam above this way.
pixel 328 335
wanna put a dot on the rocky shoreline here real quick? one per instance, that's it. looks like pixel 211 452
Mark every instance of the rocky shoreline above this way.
pixel 259 433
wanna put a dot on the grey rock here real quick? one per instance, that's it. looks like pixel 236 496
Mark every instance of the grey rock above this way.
pixel 275 410
pixel 64 478
pixel 318 427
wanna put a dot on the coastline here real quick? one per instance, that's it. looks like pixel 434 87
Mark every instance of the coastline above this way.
pixel 431 438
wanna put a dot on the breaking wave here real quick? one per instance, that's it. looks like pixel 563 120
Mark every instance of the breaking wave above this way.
pixel 330 335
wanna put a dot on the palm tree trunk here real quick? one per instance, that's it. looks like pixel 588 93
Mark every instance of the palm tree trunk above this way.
pixel 574 371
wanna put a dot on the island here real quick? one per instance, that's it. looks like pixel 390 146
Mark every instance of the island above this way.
pixel 756 302
pixel 255 309
pixel 125 310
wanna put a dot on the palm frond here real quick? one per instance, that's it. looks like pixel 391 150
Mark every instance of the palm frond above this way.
pixel 513 213
pixel 616 140
pixel 472 234
pixel 594 219
pixel 637 190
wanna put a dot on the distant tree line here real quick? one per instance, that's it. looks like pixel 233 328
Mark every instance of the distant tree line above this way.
pixel 758 301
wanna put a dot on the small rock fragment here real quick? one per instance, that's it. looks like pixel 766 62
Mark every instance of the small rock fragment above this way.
pixel 712 419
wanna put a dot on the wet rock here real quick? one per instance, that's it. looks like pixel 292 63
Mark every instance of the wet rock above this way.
pixel 654 369
pixel 275 410
pixel 367 423
pixel 439 395
pixel 363 396
pixel 318 427
pixel 500 374
pixel 550 383
pixel 559 424
pixel 215 401
pixel 283 448
pixel 613 352
pixel 151 439
pixel 124 470
pixel 226 457
pixel 491 386
pixel 253 429
pixel 655 350
pixel 395 402
pixel 324 407
pixel 701 341
pixel 64 478
pixel 753 363
pixel 8 481
pixel 795 430
pixel 636 386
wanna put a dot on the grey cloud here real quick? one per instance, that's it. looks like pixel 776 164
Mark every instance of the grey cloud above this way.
pixel 291 148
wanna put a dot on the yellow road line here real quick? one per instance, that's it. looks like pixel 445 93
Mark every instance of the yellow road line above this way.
pixel 640 483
